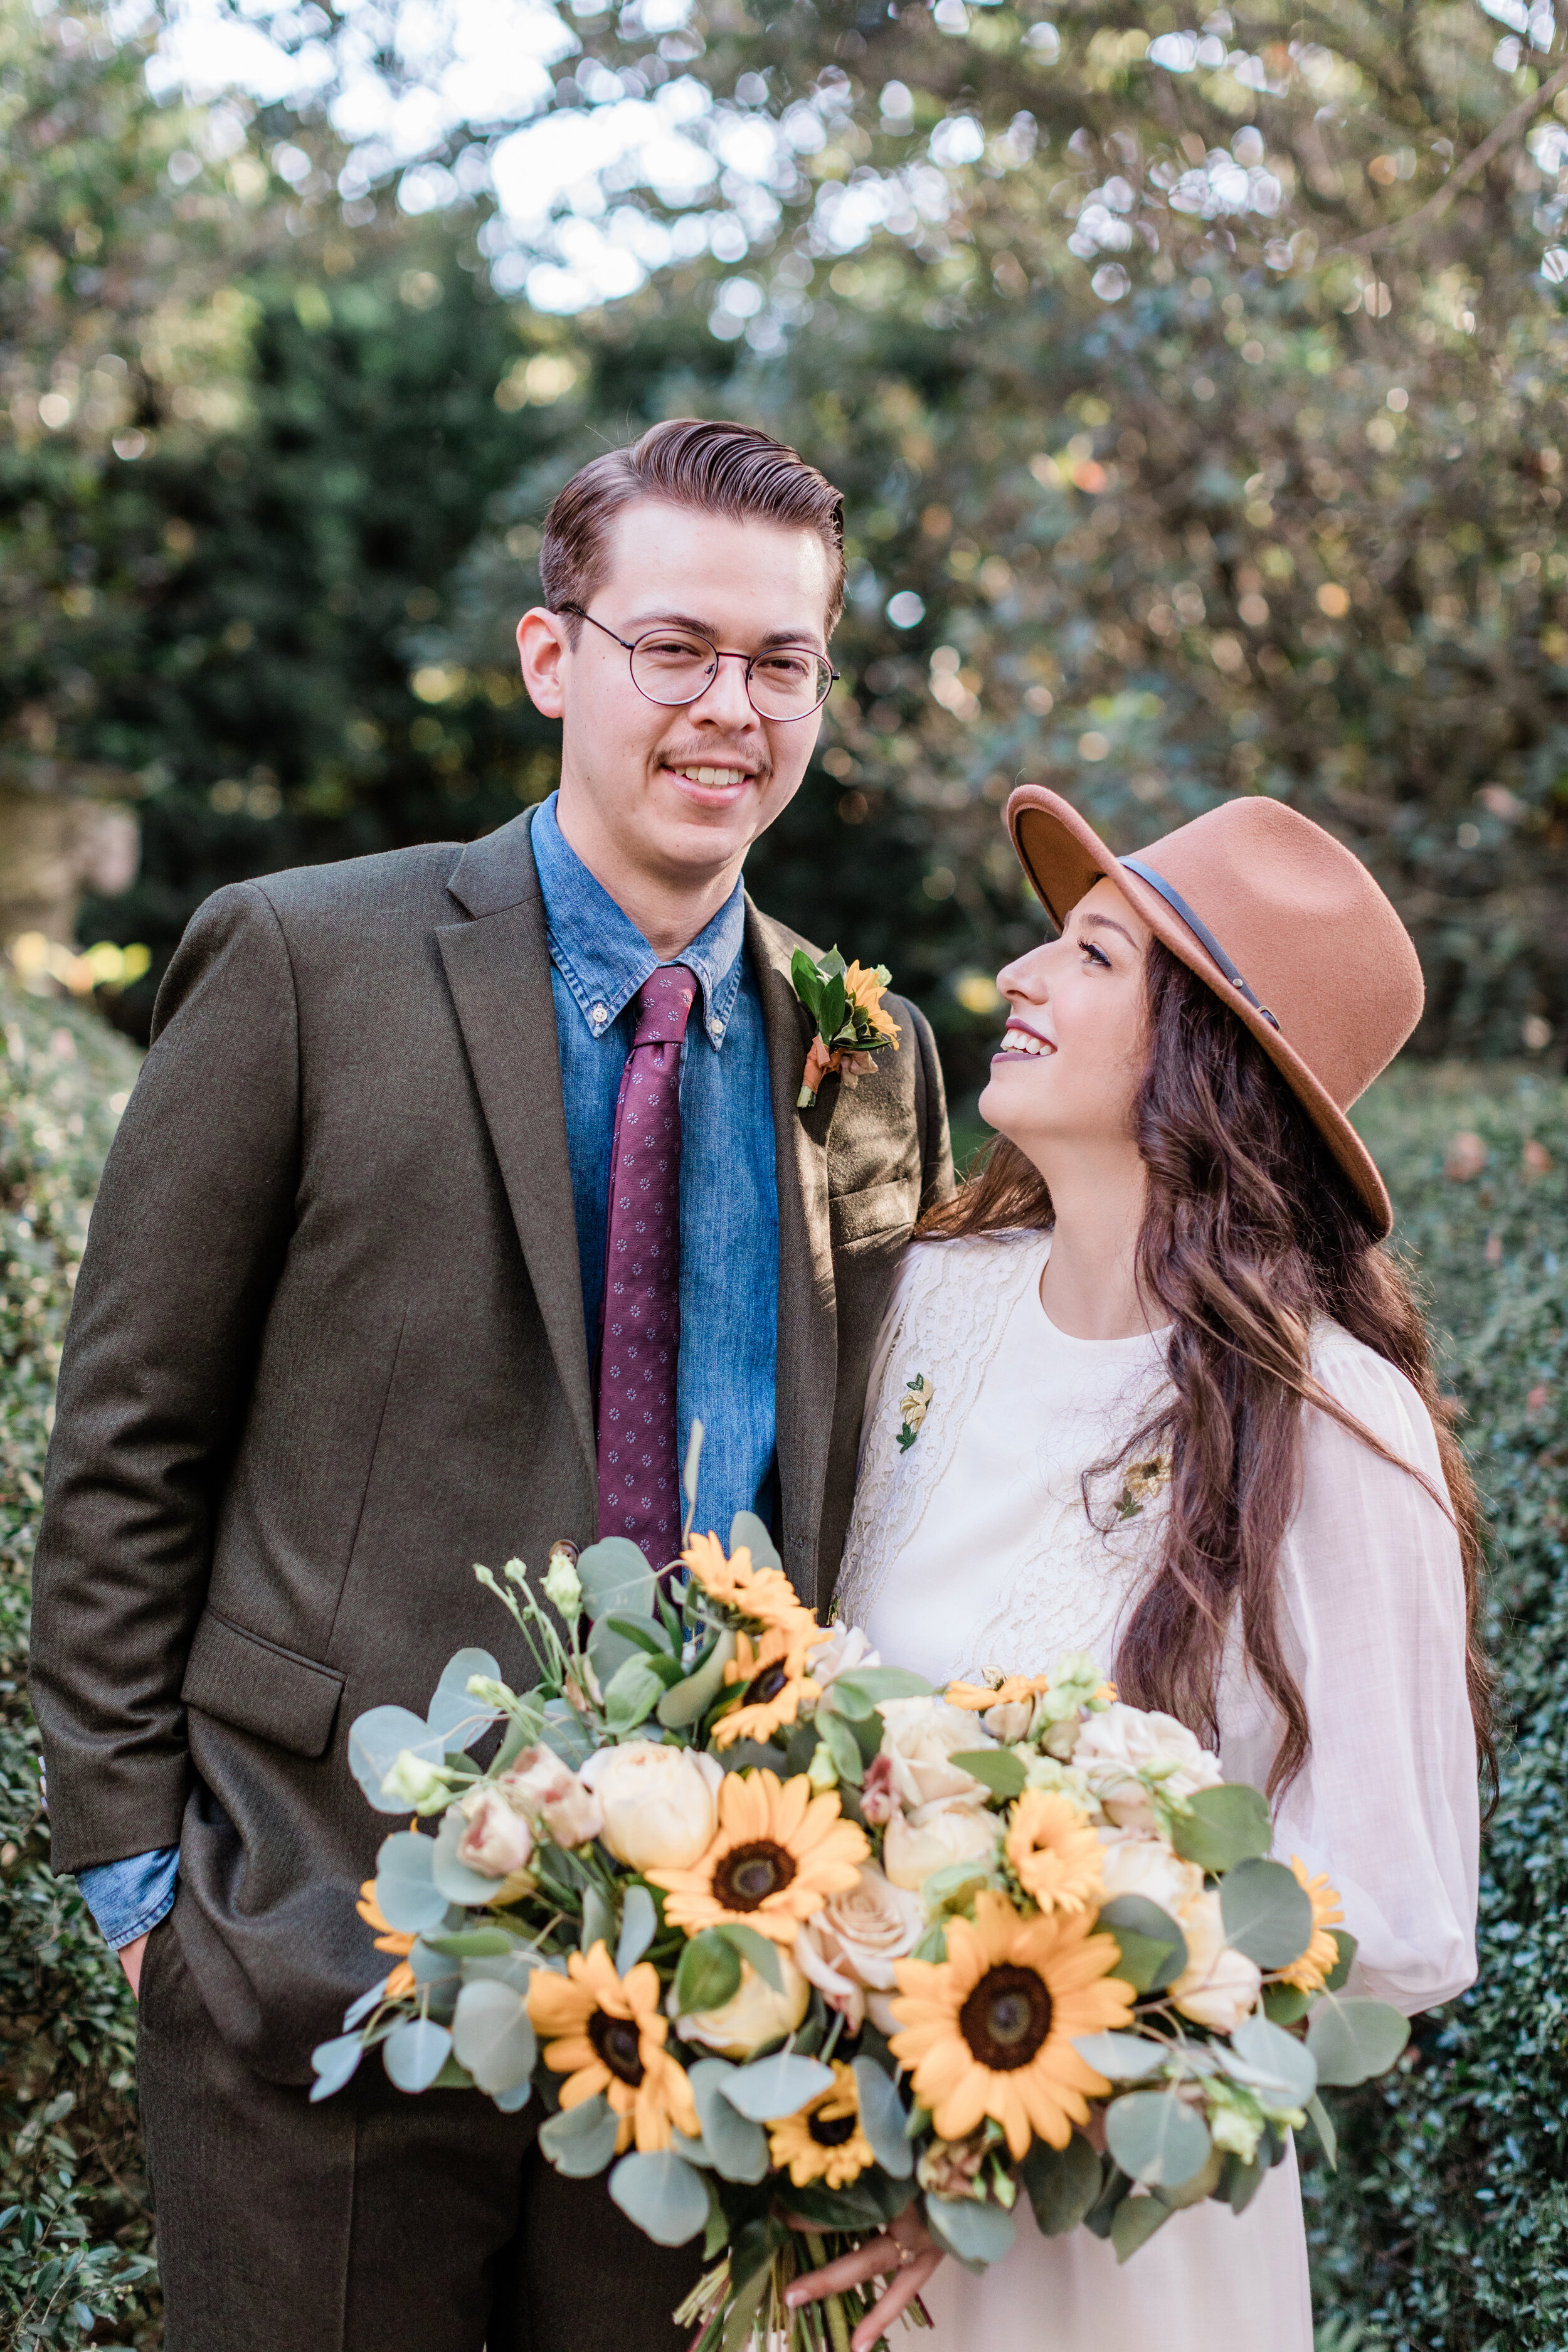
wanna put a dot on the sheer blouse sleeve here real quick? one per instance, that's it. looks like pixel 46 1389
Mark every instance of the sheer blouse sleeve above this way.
pixel 1374 1621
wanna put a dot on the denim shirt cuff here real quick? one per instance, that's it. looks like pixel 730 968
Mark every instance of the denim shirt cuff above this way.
pixel 129 1898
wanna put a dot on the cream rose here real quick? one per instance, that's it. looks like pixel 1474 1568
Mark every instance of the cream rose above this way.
pixel 1134 1865
pixel 552 1796
pixel 660 1804
pixel 849 1949
pixel 919 1738
pixel 1114 1748
pixel 496 1842
pixel 1219 1986
pixel 842 1649
pixel 751 2018
pixel 932 1836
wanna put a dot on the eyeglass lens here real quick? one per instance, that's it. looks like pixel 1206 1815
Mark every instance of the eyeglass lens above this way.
pixel 671 666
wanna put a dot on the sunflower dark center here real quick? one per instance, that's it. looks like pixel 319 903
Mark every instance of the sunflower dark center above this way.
pixel 1007 2018
pixel 616 2039
pixel 767 1685
pixel 830 2131
pixel 750 1873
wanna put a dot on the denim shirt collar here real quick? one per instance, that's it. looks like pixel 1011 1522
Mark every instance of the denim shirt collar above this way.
pixel 604 958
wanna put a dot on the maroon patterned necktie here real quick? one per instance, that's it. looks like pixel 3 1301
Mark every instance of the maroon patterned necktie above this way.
pixel 639 1494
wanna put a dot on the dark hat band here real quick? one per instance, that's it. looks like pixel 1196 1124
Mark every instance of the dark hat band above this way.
pixel 1199 929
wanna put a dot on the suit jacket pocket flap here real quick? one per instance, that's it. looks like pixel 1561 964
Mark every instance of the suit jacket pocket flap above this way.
pixel 875 1209
pixel 257 1686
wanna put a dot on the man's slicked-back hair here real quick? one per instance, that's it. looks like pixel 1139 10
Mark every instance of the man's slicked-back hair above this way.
pixel 717 469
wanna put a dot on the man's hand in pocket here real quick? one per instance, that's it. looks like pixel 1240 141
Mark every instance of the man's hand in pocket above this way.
pixel 129 1958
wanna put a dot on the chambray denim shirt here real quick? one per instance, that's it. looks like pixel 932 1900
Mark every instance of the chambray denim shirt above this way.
pixel 729 1217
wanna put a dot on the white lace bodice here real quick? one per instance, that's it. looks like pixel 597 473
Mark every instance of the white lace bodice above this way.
pixel 998 1562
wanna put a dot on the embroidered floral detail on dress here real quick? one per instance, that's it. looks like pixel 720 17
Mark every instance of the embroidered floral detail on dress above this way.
pixel 913 1406
pixel 1145 1481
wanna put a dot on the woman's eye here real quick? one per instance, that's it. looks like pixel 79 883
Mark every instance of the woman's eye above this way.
pixel 1095 955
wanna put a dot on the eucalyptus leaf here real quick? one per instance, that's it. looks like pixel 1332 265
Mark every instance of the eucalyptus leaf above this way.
pixel 433 1968
pixel 865 1687
pixel 492 2036
pixel 761 1950
pixel 414 2053
pixel 362 2008
pixel 1239 2182
pixel 736 2148
pixel 1267 1913
pixel 581 2140
pixel 406 1891
pixel 996 1769
pixel 564 1731
pixel 632 1693
pixel 1340 1972
pixel 746 1528
pixel 452 1709
pixel 1121 2057
pixel 707 1975
pixel 454 1880
pixel 1062 2183
pixel 334 2062
pixel 978 2235
pixel 687 1700
pixel 598 1920
pixel 770 2088
pixel 1354 2040
pixel 514 1969
pixel 1225 1826
pixel 662 2194
pixel 1135 2222
pixel 883 2119
pixel 1154 1949
pixel 1322 2124
pixel 616 1579
pixel 377 1738
pixel 1264 2055
pixel 639 1925
pixel 1157 2138
pixel 1284 2004
pixel 474 1944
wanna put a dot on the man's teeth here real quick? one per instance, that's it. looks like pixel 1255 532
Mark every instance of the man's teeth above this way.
pixel 714 776
pixel 1020 1041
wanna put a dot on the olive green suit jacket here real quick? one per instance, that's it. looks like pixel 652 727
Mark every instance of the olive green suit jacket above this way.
pixel 328 1351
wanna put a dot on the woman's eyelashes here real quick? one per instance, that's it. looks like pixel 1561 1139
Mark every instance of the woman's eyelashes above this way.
pixel 1096 955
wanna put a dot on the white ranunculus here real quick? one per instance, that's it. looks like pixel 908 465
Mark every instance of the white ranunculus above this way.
pixel 416 1782
pixel 919 1735
pixel 1115 1749
pixel 660 1804
pixel 550 1793
pixel 1219 1986
pixel 495 1840
pixel 932 1836
pixel 844 1649
pixel 751 2018
pixel 850 1947
pixel 1135 1864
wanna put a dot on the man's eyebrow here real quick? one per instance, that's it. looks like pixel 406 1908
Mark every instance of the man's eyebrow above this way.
pixel 642 621
pixel 1108 923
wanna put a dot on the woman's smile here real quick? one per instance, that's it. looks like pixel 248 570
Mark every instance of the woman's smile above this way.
pixel 1019 1038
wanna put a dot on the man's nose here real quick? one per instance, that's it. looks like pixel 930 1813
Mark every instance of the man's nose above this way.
pixel 724 702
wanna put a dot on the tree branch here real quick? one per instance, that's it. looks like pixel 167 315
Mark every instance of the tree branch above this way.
pixel 1512 123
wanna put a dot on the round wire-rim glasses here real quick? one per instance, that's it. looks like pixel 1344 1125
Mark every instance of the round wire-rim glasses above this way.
pixel 673 666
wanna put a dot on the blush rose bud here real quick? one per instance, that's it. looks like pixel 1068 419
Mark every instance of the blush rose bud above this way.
pixel 552 1798
pixel 496 1842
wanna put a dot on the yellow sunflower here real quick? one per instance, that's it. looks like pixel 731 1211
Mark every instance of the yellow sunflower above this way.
pixel 1310 1971
pixel 772 1673
pixel 824 2140
pixel 764 1594
pixel 1055 1852
pixel 863 988
pixel 390 1939
pixel 606 2033
pixel 779 1852
pixel 990 2030
pixel 975 1698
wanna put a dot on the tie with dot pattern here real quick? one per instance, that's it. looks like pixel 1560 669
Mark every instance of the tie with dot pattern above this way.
pixel 639 1494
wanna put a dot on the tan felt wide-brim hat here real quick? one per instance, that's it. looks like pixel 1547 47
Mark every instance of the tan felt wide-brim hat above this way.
pixel 1284 923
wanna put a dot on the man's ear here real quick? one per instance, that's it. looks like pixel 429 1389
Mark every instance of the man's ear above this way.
pixel 543 645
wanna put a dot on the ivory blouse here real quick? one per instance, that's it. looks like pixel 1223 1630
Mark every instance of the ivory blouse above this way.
pixel 972 1549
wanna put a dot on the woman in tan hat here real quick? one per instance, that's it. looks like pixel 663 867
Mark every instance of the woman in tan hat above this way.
pixel 1179 1411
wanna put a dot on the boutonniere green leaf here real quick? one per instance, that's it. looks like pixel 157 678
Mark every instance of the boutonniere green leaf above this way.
pixel 845 1002
pixel 913 1406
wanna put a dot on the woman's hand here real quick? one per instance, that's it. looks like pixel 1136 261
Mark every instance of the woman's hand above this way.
pixel 906 2247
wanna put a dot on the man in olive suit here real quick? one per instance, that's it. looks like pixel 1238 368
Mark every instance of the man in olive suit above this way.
pixel 343 1328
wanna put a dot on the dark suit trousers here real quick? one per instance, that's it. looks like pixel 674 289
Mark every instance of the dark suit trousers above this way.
pixel 374 2222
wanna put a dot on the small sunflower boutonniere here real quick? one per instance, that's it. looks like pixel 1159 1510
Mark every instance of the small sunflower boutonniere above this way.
pixel 913 1406
pixel 844 1001
pixel 1144 1480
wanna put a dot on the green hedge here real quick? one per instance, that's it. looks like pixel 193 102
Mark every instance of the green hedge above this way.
pixel 1446 2229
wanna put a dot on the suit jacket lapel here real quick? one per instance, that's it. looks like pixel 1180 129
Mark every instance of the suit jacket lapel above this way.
pixel 808 1330
pixel 497 968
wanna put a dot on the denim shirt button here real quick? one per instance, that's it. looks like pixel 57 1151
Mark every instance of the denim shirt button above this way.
pixel 716 1030
pixel 598 1016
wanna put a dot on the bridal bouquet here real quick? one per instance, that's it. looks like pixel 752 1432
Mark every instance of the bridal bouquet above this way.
pixel 784 1939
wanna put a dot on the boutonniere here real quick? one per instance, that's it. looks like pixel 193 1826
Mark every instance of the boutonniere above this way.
pixel 913 1407
pixel 1144 1480
pixel 845 1002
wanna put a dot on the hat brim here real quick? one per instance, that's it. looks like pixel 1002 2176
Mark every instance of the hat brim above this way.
pixel 1064 857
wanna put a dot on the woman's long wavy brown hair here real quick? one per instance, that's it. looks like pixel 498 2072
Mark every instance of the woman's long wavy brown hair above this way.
pixel 1250 1234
